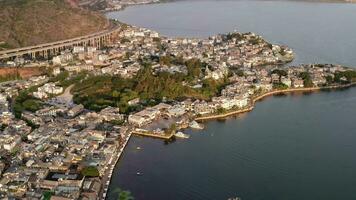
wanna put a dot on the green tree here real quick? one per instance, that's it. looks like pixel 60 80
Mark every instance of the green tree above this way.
pixel 165 60
pixel 124 194
pixel 280 72
pixel 240 73
pixel 307 79
pixel 90 171
pixel 329 79
pixel 31 105
pixel 280 86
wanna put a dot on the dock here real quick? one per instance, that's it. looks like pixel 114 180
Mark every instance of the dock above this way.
pixel 153 135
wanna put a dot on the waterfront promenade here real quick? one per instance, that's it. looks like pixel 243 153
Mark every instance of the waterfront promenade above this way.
pixel 259 97
pixel 106 179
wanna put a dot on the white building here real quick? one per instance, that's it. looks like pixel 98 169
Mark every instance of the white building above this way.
pixel 286 81
pixel 78 49
pixel 46 90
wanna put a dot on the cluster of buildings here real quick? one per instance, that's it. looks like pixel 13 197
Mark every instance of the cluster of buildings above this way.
pixel 49 151
pixel 150 114
pixel 52 157
pixel 120 4
pixel 46 90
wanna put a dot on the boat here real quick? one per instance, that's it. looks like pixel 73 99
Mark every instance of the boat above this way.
pixel 138 148
pixel 181 135
pixel 139 174
pixel 195 125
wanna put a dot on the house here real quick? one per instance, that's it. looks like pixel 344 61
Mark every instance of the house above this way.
pixel 9 142
pixel 56 71
pixel 145 116
pixel 137 120
pixel 78 49
pixel 230 102
pixel 162 107
pixel 63 58
pixel 111 114
pixel 154 34
pixel 76 110
pixel 79 68
pixel 32 118
pixel 286 81
pixel 275 78
pixel 176 111
pixel 202 107
pixel 134 102
pixel 48 88
pixel 298 83
pixel 318 80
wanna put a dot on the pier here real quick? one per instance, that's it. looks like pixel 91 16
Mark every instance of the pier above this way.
pixel 149 134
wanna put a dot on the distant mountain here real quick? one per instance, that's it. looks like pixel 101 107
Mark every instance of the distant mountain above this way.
pixel 30 22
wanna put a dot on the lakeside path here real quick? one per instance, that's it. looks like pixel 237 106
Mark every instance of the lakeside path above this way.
pixel 111 166
pixel 254 100
pixel 67 96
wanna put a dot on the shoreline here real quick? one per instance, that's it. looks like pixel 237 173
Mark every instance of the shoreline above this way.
pixel 105 189
pixel 111 167
pixel 123 7
pixel 147 134
pixel 267 94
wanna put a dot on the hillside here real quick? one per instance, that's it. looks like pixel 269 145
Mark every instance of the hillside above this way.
pixel 30 22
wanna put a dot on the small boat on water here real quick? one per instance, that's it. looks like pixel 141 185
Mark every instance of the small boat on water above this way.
pixel 195 125
pixel 139 174
pixel 181 135
pixel 138 148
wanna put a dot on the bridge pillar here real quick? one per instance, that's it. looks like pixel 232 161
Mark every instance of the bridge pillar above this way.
pixel 33 55
pixel 98 43
pixel 45 54
pixel 104 40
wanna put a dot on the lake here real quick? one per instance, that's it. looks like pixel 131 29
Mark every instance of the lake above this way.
pixel 296 146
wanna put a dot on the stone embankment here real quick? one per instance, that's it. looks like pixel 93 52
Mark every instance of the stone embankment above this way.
pixel 259 97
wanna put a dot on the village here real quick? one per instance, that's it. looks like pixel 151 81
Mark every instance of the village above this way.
pixel 53 147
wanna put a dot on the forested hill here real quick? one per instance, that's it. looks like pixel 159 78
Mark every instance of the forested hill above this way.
pixel 30 22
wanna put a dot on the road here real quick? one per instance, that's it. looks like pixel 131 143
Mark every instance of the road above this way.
pixel 106 178
pixel 66 97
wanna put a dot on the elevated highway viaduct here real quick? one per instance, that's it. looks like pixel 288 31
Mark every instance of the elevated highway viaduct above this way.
pixel 46 50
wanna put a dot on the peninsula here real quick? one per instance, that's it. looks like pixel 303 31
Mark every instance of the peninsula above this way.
pixel 62 131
